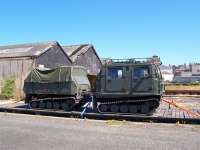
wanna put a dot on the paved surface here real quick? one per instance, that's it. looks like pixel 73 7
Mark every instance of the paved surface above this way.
pixel 7 102
pixel 25 132
pixel 191 104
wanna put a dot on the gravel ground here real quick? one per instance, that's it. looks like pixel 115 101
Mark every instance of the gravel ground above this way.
pixel 22 132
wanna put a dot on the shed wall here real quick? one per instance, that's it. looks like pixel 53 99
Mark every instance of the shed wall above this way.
pixel 18 68
pixel 90 61
pixel 53 58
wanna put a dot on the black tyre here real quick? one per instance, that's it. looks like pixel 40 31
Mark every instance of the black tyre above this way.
pixel 42 104
pixel 114 108
pixel 49 105
pixel 56 105
pixel 145 108
pixel 71 103
pixel 123 108
pixel 34 104
pixel 103 108
pixel 66 106
pixel 133 108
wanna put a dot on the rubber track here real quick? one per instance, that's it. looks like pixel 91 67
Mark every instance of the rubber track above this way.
pixel 101 116
pixel 129 101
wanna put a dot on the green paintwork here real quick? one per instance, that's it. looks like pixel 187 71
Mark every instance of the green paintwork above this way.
pixel 132 79
pixel 66 80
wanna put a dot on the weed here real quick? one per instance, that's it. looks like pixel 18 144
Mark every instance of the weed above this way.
pixel 8 89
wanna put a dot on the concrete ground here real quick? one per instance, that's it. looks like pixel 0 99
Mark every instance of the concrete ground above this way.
pixel 7 102
pixel 26 132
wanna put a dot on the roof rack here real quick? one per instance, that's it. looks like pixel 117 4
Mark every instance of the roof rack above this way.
pixel 150 60
pixel 131 60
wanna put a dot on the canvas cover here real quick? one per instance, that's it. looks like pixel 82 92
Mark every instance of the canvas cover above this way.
pixel 49 75
pixel 52 81
pixel 66 80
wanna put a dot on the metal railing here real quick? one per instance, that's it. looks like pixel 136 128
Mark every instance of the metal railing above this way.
pixel 133 60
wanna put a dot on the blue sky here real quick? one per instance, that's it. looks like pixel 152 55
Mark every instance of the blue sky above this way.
pixel 117 28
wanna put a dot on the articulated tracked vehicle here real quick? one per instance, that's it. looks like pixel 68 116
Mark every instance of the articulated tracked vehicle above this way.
pixel 122 86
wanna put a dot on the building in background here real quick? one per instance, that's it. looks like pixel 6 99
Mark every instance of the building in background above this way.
pixel 18 60
pixel 185 80
pixel 85 55
pixel 181 70
pixel 195 69
pixel 167 73
pixel 187 73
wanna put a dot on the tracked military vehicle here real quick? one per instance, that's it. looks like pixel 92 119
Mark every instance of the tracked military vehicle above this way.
pixel 128 86
pixel 60 88
pixel 122 86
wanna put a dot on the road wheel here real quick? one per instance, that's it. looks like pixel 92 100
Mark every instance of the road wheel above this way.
pixel 56 105
pixel 145 108
pixel 66 106
pixel 34 104
pixel 103 108
pixel 41 104
pixel 133 109
pixel 123 108
pixel 49 105
pixel 114 108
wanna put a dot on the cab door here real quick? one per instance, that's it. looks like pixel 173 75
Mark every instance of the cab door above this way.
pixel 141 79
pixel 116 80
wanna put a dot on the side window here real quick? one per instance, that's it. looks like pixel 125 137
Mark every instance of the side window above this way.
pixel 140 72
pixel 115 73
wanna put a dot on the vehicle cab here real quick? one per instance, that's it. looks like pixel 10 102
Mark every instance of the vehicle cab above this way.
pixel 128 78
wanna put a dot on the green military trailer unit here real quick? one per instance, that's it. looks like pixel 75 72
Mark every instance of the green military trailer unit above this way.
pixel 58 88
pixel 129 86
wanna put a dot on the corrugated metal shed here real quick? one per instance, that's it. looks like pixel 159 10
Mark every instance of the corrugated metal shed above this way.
pixel 18 60
pixel 84 55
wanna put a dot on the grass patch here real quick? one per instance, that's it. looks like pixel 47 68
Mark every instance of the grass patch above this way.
pixel 8 88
